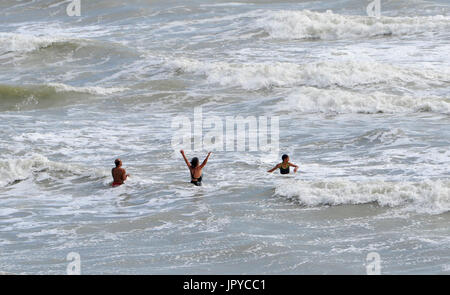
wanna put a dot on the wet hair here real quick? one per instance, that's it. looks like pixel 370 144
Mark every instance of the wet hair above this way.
pixel 284 157
pixel 194 162
pixel 117 162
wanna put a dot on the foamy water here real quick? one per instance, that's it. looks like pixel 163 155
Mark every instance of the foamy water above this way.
pixel 363 105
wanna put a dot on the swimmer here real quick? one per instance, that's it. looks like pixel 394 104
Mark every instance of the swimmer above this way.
pixel 284 166
pixel 195 168
pixel 119 174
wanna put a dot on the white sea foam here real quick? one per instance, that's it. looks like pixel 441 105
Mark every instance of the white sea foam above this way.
pixel 429 196
pixel 27 43
pixel 314 100
pixel 96 90
pixel 307 24
pixel 42 38
pixel 385 136
pixel 21 168
pixel 345 73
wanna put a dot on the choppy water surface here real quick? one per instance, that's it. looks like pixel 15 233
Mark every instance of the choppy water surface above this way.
pixel 363 103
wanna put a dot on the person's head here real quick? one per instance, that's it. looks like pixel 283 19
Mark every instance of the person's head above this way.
pixel 118 162
pixel 285 158
pixel 194 162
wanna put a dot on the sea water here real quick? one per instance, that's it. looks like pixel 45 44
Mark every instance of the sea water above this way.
pixel 363 105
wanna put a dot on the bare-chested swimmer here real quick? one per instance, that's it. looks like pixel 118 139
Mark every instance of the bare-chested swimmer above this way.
pixel 119 174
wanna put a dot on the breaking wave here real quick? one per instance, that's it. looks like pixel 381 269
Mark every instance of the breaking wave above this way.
pixel 343 73
pixel 307 24
pixel 429 196
pixel 12 42
pixel 17 170
pixel 313 100
pixel 18 44
pixel 30 96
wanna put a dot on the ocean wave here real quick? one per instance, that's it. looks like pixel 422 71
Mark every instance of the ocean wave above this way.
pixel 379 136
pixel 307 24
pixel 95 90
pixel 19 43
pixel 343 73
pixel 314 100
pixel 19 169
pixel 46 95
pixel 429 196
pixel 12 42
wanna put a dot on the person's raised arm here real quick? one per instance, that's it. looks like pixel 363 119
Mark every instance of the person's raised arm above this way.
pixel 295 167
pixel 205 161
pixel 185 159
pixel 274 168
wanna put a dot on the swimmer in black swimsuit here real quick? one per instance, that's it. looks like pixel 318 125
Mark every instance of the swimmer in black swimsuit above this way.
pixel 195 169
pixel 284 166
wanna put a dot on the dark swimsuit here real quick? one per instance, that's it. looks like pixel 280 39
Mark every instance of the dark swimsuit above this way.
pixel 196 181
pixel 284 170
